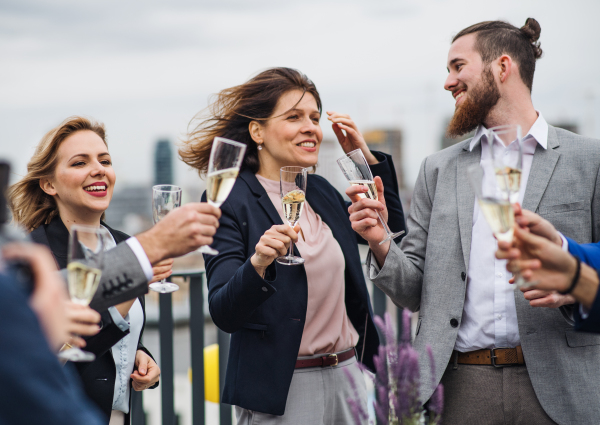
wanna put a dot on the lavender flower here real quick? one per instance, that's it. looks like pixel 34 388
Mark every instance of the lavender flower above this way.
pixel 397 380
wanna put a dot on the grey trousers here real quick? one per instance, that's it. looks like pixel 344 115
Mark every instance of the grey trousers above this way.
pixel 317 396
pixel 485 395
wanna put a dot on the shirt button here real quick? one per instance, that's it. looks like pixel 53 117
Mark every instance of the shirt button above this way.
pixel 264 288
pixel 499 317
pixel 499 274
pixel 454 323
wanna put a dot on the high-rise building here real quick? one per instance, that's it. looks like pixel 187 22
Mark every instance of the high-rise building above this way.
pixel 163 163
pixel 390 142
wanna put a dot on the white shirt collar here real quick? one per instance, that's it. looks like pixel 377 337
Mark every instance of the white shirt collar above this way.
pixel 538 133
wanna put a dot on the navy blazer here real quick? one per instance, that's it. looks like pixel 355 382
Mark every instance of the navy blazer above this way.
pixel 34 388
pixel 266 316
pixel 98 376
pixel 590 254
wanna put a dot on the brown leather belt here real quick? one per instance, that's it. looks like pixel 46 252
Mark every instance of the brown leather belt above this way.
pixel 326 360
pixel 498 357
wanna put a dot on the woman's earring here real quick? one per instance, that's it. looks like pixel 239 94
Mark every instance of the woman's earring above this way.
pixel 259 147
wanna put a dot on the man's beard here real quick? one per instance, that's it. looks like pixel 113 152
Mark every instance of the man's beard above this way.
pixel 476 107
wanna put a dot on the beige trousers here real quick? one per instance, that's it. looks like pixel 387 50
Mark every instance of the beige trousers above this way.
pixel 317 396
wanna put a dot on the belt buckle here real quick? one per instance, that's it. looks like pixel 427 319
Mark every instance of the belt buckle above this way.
pixel 494 357
pixel 335 357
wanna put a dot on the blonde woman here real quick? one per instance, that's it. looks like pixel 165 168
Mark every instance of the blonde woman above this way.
pixel 70 180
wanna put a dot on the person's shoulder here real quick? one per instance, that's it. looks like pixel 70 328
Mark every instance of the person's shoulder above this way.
pixel 568 137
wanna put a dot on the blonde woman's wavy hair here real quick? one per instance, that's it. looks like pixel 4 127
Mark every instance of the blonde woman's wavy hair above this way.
pixel 29 204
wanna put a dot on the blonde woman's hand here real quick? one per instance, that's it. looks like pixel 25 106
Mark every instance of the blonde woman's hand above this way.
pixel 353 139
pixel 274 243
pixel 146 372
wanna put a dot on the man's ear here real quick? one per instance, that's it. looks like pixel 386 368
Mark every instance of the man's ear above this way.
pixel 47 186
pixel 256 132
pixel 505 65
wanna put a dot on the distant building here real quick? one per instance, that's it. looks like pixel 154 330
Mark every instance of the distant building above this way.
pixel 163 163
pixel 390 142
pixel 131 209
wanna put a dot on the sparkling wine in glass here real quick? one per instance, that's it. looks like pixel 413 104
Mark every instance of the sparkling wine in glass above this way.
pixel 84 269
pixel 226 158
pixel 506 145
pixel 493 202
pixel 292 188
pixel 165 198
pixel 358 173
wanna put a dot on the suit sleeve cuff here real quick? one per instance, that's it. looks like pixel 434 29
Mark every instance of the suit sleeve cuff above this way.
pixel 139 252
pixel 565 242
pixel 119 320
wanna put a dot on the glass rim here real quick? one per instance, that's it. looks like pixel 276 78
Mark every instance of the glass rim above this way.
pixel 156 187
pixel 229 141
pixel 505 128
pixel 350 154
pixel 292 169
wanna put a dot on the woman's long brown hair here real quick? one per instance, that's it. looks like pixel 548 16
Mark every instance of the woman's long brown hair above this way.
pixel 29 204
pixel 230 114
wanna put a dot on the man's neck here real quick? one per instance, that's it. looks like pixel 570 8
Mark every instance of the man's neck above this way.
pixel 515 112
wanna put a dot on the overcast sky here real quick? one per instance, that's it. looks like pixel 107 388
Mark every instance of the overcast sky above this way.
pixel 145 68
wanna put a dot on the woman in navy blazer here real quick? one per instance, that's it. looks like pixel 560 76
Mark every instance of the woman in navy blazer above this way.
pixel 70 180
pixel 261 303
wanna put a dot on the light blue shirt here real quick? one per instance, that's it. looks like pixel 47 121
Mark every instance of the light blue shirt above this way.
pixel 124 352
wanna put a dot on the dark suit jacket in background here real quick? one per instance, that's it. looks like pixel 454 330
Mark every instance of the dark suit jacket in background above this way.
pixel 34 388
pixel 98 376
pixel 589 254
pixel 266 316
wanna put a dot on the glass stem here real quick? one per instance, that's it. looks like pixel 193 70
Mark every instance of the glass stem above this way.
pixel 291 253
pixel 384 224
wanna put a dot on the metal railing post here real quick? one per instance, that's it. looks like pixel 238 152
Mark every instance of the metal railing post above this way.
pixel 197 347
pixel 224 409
pixel 165 326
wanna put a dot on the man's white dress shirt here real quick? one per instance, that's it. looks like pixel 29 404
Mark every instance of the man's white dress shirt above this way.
pixel 489 318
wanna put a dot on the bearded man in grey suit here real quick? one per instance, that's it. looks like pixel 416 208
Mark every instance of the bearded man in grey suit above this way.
pixel 445 267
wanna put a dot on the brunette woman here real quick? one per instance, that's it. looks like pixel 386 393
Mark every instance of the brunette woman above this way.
pixel 294 328
pixel 70 180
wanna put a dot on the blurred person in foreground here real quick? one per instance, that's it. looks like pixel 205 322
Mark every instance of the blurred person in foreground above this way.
pixel 501 360
pixel 77 188
pixel 295 329
pixel 550 262
pixel 34 387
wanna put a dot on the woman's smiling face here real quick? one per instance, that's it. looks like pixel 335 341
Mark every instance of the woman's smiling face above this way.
pixel 291 136
pixel 84 179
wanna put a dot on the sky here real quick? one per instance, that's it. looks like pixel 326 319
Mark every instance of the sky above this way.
pixel 146 68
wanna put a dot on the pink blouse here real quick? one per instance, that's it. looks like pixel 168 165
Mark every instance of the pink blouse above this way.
pixel 327 328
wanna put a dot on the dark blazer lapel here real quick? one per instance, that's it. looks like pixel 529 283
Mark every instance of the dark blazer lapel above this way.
pixel 542 167
pixel 323 206
pixel 262 197
pixel 58 238
pixel 465 197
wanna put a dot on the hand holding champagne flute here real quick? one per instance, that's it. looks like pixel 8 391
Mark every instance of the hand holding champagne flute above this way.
pixel 358 173
pixel 85 260
pixel 226 158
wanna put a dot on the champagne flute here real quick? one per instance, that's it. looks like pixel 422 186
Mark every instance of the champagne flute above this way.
pixel 226 158
pixel 508 161
pixel 165 198
pixel 358 173
pixel 84 268
pixel 493 201
pixel 292 187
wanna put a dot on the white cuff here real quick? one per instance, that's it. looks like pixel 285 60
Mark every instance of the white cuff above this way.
pixel 565 242
pixel 118 320
pixel 372 266
pixel 583 312
pixel 139 252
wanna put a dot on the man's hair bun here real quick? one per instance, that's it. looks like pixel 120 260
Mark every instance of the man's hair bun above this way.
pixel 532 31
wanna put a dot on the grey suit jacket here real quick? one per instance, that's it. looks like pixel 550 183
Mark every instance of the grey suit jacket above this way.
pixel 122 278
pixel 426 273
